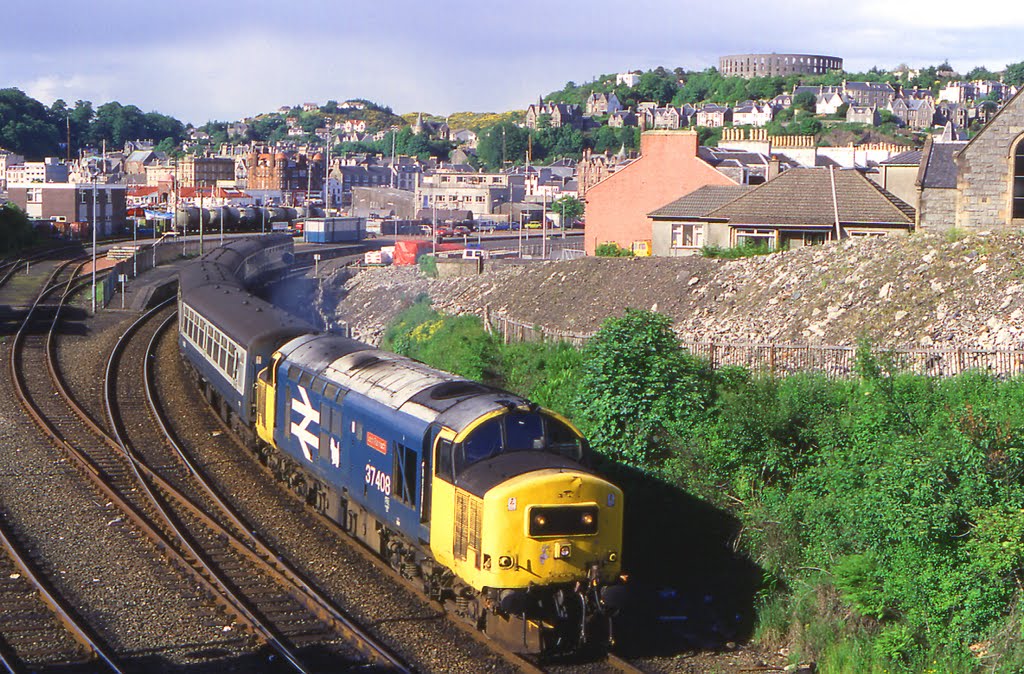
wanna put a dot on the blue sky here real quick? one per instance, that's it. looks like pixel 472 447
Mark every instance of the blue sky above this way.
pixel 210 59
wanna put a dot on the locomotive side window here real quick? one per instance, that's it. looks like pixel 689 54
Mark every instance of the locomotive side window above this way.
pixel 403 475
pixel 562 440
pixel 326 413
pixel 445 468
pixel 287 421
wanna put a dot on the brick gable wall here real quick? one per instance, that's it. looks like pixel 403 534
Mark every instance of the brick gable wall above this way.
pixel 668 168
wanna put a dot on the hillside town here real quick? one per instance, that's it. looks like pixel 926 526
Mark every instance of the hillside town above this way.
pixel 682 178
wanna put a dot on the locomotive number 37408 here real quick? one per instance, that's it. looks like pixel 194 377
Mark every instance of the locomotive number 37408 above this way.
pixel 378 479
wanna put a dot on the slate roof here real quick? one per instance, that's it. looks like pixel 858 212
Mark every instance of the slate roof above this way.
pixel 699 202
pixel 869 86
pixel 717 156
pixel 908 158
pixel 803 196
pixel 938 168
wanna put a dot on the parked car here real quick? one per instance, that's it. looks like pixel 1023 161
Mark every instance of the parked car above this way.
pixel 462 230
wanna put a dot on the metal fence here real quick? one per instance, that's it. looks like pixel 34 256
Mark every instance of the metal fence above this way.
pixel 834 361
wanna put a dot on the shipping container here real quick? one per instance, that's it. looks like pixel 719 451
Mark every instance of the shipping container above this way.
pixel 334 230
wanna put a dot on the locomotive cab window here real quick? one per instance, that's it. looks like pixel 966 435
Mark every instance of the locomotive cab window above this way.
pixel 517 432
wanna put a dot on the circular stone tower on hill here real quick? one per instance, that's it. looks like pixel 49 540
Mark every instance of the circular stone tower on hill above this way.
pixel 773 65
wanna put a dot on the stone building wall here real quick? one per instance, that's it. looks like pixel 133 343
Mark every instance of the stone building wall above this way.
pixel 985 166
pixel 773 65
pixel 937 209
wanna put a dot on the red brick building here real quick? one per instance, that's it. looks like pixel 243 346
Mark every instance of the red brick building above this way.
pixel 668 168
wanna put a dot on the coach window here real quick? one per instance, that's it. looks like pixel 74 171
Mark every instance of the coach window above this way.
pixel 1018 180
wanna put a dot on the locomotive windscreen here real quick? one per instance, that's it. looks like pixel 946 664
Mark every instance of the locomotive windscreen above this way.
pixel 518 432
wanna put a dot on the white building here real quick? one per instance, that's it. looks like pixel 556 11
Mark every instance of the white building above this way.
pixel 629 79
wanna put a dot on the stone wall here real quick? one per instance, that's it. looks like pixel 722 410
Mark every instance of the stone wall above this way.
pixel 937 209
pixel 985 171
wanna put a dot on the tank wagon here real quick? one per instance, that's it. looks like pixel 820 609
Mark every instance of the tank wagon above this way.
pixel 483 497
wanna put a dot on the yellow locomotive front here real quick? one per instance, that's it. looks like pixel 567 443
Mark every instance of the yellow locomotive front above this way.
pixel 533 536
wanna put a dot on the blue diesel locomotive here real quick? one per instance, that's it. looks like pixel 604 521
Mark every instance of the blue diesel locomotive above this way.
pixel 478 494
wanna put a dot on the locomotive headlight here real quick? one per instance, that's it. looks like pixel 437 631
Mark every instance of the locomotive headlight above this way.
pixel 504 562
pixel 540 520
pixel 588 519
pixel 612 557
pixel 564 550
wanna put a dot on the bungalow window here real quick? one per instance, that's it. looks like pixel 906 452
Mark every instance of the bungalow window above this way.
pixel 687 235
pixel 1018 181
pixel 756 237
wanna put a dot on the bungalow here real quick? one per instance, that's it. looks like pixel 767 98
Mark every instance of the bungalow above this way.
pixel 800 207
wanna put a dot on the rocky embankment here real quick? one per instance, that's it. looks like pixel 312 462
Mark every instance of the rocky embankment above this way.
pixel 922 291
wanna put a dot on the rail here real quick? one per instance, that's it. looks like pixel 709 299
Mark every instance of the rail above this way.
pixel 75 625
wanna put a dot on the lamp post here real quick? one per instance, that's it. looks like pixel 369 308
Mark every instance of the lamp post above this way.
pixel 222 214
pixel 135 246
pixel 93 172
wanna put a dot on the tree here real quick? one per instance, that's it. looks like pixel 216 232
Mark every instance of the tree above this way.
pixel 655 86
pixel 568 208
pixel 638 386
pixel 1014 74
pixel 980 73
pixel 502 142
pixel 26 126
pixel 805 100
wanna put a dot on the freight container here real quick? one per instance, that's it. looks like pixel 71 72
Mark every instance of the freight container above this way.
pixel 334 230
pixel 409 252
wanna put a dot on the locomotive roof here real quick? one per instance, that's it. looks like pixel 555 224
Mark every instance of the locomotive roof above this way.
pixel 244 317
pixel 397 381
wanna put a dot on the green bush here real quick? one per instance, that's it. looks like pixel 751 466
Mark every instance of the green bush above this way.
pixel 428 265
pixel 639 388
pixel 456 344
pixel 885 511
pixel 612 250
pixel 15 229
pixel 546 373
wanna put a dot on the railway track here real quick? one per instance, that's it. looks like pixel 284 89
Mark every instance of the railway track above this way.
pixel 611 663
pixel 39 628
pixel 305 627
pixel 119 478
